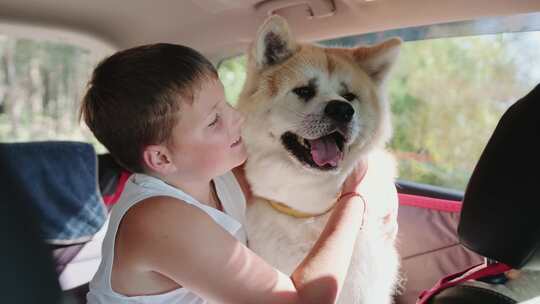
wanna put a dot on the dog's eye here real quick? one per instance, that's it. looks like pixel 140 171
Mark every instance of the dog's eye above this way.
pixel 306 92
pixel 349 96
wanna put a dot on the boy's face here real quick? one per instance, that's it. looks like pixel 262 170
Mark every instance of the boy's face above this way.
pixel 206 141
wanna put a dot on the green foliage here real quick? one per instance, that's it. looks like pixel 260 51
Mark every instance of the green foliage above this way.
pixel 232 73
pixel 447 96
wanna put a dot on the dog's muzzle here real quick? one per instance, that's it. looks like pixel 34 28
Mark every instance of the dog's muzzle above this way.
pixel 325 151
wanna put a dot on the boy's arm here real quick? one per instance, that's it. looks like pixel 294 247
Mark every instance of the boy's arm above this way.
pixel 190 248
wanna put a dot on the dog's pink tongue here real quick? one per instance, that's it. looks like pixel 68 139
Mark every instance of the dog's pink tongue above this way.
pixel 325 151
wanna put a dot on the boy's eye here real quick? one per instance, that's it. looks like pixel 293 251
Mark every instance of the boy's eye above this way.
pixel 214 122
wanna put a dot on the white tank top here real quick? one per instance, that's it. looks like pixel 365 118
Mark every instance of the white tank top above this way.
pixel 141 186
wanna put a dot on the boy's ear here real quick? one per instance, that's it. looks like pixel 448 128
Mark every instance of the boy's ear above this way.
pixel 158 159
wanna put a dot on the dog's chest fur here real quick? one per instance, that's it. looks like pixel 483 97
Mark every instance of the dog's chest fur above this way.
pixel 284 241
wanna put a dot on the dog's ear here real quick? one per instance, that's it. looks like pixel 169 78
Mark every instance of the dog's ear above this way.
pixel 274 42
pixel 377 60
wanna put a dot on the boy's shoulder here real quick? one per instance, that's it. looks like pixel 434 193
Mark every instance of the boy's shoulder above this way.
pixel 159 216
pixel 162 206
pixel 161 229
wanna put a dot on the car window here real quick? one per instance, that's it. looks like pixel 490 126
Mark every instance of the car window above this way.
pixel 232 72
pixel 450 86
pixel 41 86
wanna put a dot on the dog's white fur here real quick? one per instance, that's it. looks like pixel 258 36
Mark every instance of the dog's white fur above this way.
pixel 277 64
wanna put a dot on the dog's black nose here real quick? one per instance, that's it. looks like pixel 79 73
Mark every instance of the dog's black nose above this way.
pixel 339 111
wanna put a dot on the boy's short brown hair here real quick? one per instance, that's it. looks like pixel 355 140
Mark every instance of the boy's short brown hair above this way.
pixel 134 96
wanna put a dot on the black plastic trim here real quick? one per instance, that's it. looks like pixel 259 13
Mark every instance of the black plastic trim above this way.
pixel 408 187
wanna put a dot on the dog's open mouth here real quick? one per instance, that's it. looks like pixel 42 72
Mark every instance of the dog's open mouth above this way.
pixel 324 153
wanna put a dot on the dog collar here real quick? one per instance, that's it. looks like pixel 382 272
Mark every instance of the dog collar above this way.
pixel 282 208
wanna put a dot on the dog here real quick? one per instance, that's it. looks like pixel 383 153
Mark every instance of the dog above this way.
pixel 312 113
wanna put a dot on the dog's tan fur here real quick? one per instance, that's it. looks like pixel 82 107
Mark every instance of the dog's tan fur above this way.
pixel 278 64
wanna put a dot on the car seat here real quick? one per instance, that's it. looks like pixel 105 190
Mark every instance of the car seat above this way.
pixel 499 216
pixel 55 218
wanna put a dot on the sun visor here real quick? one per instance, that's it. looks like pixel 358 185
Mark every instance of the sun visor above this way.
pixel 500 218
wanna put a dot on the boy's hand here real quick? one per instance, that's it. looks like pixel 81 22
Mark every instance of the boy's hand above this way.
pixel 388 221
pixel 353 181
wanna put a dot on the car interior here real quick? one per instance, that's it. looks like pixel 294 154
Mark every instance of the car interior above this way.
pixel 56 194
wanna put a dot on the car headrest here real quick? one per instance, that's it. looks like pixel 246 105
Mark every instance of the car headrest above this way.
pixel 59 181
pixel 501 207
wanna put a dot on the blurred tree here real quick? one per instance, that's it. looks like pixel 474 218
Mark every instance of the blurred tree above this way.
pixel 447 96
pixel 41 84
pixel 232 72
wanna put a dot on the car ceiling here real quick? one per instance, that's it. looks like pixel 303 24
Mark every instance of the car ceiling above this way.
pixel 222 28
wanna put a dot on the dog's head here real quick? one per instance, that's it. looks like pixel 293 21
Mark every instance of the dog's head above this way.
pixel 320 106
